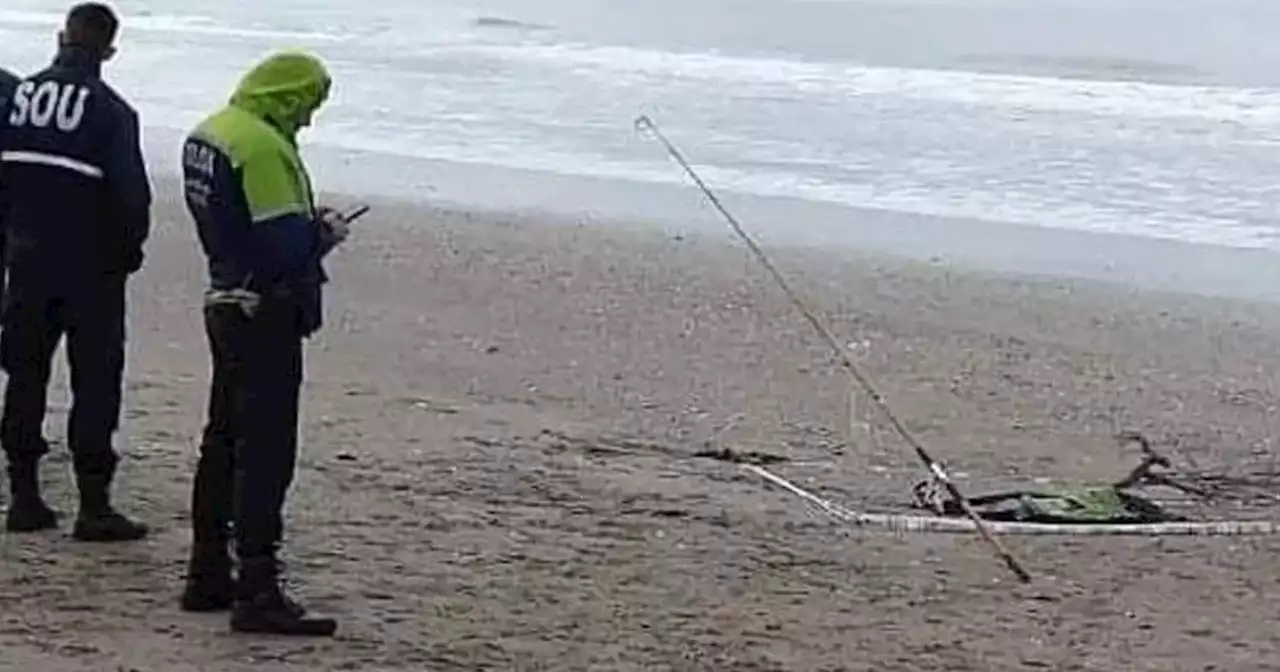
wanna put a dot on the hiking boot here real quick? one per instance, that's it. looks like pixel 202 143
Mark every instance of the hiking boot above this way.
pixel 30 515
pixel 28 512
pixel 209 586
pixel 107 526
pixel 98 520
pixel 271 612
pixel 262 607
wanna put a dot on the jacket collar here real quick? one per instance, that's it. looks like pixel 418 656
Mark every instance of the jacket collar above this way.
pixel 78 58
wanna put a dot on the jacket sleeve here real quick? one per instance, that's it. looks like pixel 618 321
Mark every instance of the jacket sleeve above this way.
pixel 283 225
pixel 287 243
pixel 8 82
pixel 129 186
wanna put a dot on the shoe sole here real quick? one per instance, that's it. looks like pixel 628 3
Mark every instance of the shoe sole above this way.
pixel 27 529
pixel 309 629
pixel 108 538
pixel 50 523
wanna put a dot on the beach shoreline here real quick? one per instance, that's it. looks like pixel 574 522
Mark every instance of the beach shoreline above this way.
pixel 498 471
pixel 1230 267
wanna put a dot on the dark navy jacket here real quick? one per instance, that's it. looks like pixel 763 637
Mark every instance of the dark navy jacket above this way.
pixel 76 191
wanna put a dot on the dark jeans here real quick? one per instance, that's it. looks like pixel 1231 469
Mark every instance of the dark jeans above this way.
pixel 34 320
pixel 250 445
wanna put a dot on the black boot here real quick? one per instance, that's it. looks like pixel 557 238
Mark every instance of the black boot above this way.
pixel 262 607
pixel 98 521
pixel 209 586
pixel 28 512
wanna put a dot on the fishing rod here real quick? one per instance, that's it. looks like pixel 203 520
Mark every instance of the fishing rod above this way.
pixel 645 124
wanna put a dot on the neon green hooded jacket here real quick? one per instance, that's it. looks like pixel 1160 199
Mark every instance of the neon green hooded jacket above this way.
pixel 258 131
pixel 248 190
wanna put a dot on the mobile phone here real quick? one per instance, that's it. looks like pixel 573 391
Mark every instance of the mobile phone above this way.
pixel 355 213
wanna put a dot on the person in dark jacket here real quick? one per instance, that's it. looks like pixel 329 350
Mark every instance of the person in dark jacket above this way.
pixel 77 212
pixel 264 237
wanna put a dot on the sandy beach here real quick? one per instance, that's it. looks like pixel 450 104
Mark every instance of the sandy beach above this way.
pixel 498 469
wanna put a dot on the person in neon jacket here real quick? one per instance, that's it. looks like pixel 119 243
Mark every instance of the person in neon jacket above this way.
pixel 265 239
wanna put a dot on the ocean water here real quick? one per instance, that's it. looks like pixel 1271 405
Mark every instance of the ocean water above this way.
pixel 1156 118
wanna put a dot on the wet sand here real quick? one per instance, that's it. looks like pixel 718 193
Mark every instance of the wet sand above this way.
pixel 500 427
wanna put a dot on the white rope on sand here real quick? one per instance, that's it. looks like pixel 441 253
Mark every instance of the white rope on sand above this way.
pixel 904 523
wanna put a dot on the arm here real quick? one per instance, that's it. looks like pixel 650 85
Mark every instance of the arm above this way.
pixel 283 228
pixel 8 82
pixel 216 200
pixel 130 187
pixel 287 242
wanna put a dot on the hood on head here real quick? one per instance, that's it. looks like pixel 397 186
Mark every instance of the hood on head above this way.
pixel 285 89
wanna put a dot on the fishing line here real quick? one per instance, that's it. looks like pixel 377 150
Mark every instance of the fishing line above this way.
pixel 645 124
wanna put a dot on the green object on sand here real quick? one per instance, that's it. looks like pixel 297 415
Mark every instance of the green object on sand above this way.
pixel 1104 505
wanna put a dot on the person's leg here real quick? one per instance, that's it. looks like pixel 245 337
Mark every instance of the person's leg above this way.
pixel 31 331
pixel 4 269
pixel 95 348
pixel 266 456
pixel 209 585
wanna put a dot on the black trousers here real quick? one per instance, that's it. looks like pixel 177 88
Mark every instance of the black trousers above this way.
pixel 4 270
pixel 249 450
pixel 35 319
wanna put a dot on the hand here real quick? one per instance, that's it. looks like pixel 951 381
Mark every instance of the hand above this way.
pixel 335 226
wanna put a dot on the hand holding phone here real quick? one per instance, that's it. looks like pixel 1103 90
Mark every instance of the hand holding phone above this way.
pixel 338 223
